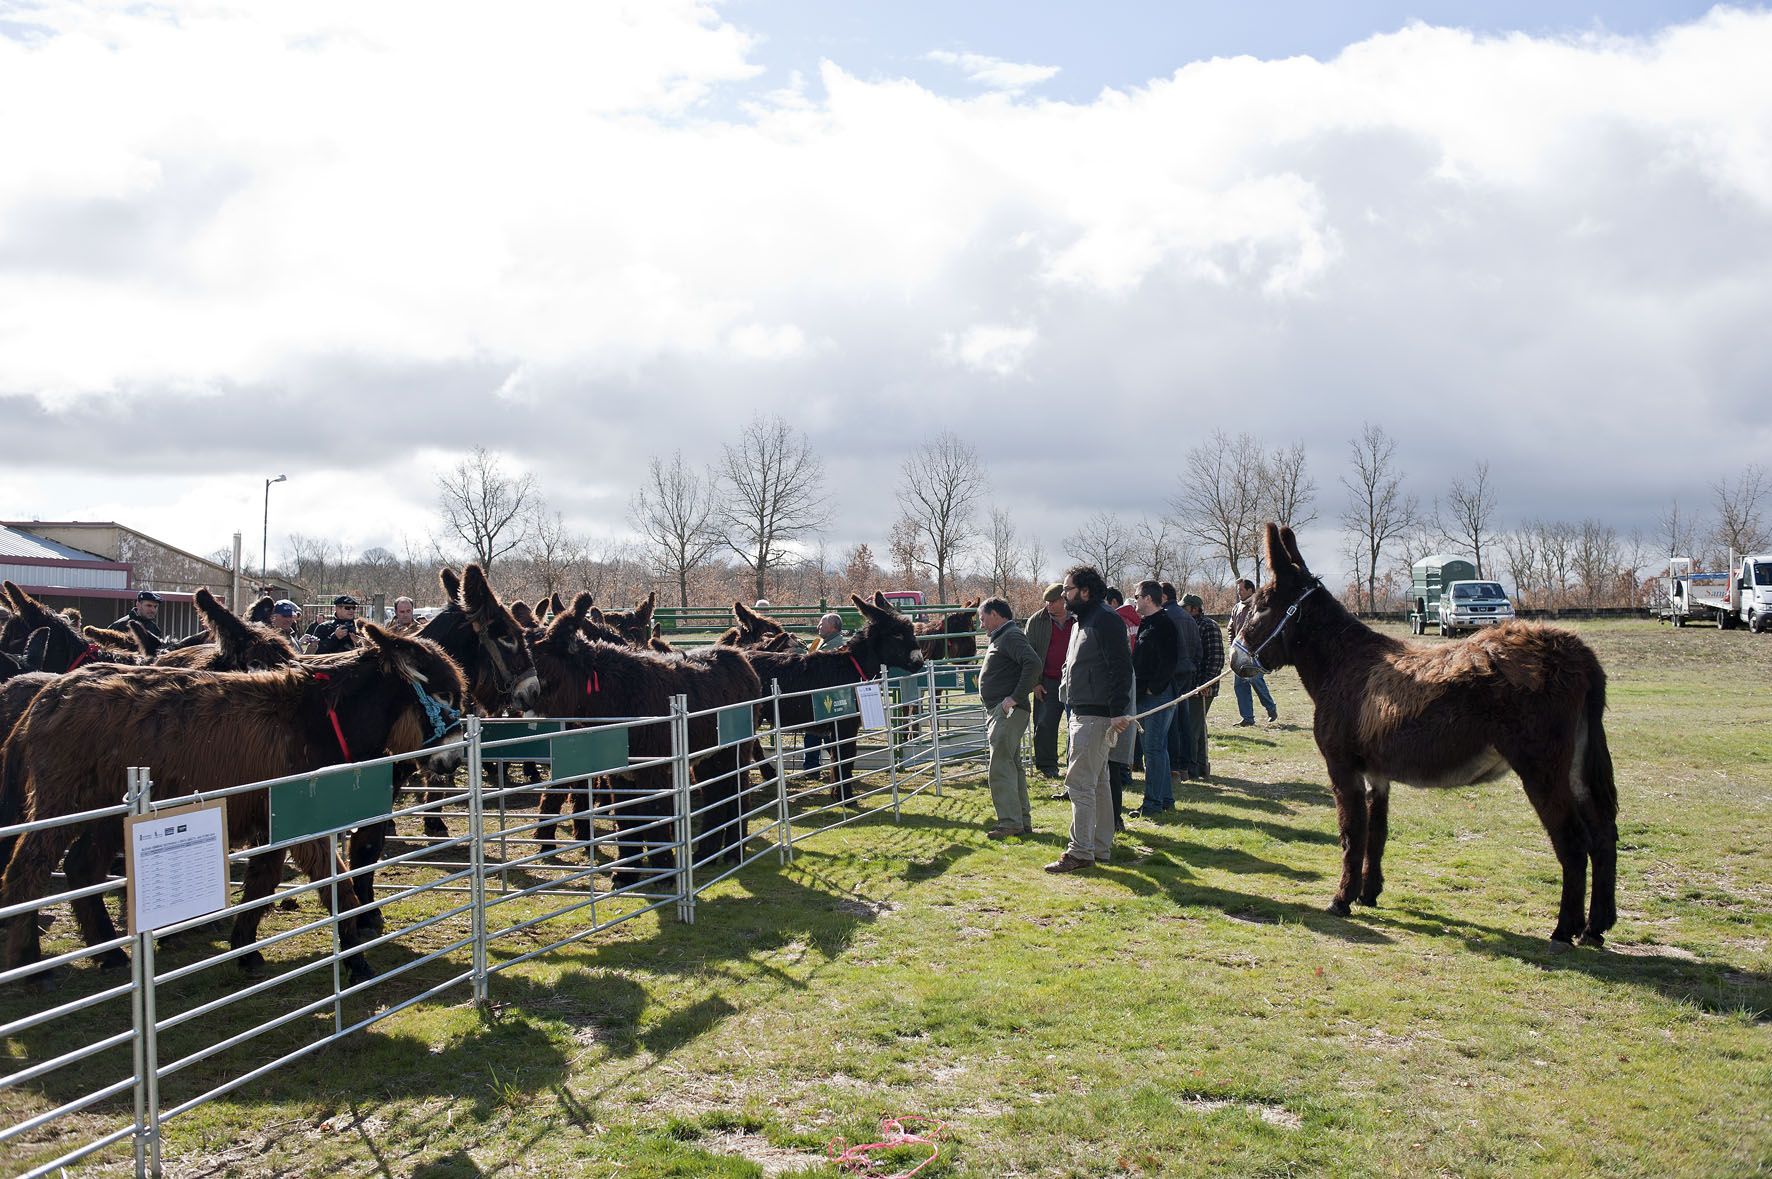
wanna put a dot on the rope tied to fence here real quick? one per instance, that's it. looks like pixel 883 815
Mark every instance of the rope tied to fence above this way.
pixel 893 1135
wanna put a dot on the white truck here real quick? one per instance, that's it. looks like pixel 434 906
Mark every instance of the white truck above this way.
pixel 1738 596
pixel 1471 605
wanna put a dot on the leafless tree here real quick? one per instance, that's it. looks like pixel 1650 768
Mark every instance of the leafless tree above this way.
pixel 1596 558
pixel 1033 557
pixel 1157 544
pixel 1005 554
pixel 774 494
pixel 1379 512
pixel 1105 542
pixel 1519 549
pixel 1220 500
pixel 1469 519
pixel 1556 559
pixel 1287 490
pixel 1675 532
pixel 676 515
pixel 486 508
pixel 904 544
pixel 552 552
pixel 1740 522
pixel 938 493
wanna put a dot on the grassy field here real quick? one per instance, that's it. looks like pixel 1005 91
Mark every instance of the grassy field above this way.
pixel 1191 1009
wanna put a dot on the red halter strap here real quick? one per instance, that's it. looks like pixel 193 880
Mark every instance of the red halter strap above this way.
pixel 859 673
pixel 593 684
pixel 91 652
pixel 332 715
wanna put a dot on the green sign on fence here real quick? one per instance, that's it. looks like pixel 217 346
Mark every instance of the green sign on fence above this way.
pixel 737 723
pixel 541 748
pixel 331 800
pixel 590 751
pixel 832 703
pixel 955 679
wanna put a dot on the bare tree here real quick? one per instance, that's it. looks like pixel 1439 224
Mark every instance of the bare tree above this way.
pixel 774 488
pixel 485 507
pixel 938 493
pixel 1005 554
pixel 675 513
pixel 1469 519
pixel 1556 559
pixel 1156 544
pixel 552 553
pixel 1105 542
pixel 1033 558
pixel 860 572
pixel 1287 490
pixel 1519 549
pixel 1220 500
pixel 1596 558
pixel 904 544
pixel 1676 534
pixel 1740 522
pixel 1379 512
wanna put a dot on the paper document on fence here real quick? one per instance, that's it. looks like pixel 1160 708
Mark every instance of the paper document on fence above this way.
pixel 873 708
pixel 177 865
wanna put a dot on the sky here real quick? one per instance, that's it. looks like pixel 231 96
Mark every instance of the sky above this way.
pixel 349 242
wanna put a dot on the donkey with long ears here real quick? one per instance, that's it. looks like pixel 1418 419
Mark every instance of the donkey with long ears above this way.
pixel 592 677
pixel 47 641
pixel 1520 696
pixel 951 636
pixel 886 639
pixel 204 731
pixel 751 629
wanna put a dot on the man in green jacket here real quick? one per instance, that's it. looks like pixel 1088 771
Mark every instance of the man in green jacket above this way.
pixel 1011 669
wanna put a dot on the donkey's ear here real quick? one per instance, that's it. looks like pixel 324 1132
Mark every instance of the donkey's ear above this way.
pixel 145 642
pixel 476 594
pixel 1275 550
pixel 37 649
pixel 643 612
pixel 523 614
pixel 116 640
pixel 743 614
pixel 867 608
pixel 450 582
pixel 558 604
pixel 1290 543
pixel 231 635
pixel 73 617
pixel 261 611
pixel 596 616
pixel 540 609
pixel 880 601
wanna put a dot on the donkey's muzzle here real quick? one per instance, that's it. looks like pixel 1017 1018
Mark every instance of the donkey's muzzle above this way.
pixel 1246 665
pixel 527 690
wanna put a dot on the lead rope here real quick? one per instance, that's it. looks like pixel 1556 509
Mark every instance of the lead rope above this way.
pixel 332 715
pixel 893 1134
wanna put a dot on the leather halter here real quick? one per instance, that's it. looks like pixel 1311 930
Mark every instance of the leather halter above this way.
pixel 1254 656
pixel 91 653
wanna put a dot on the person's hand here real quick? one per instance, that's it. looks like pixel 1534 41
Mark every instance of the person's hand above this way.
pixel 1008 705
pixel 1039 691
pixel 1120 724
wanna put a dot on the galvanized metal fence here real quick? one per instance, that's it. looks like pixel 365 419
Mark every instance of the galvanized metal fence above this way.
pixel 481 875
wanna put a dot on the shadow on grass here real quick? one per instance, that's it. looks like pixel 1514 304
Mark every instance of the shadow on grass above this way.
pixel 1273 797
pixel 1717 987
pixel 1147 879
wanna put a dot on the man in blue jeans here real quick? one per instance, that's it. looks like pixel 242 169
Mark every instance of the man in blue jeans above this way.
pixel 1187 674
pixel 1153 664
pixel 1249 688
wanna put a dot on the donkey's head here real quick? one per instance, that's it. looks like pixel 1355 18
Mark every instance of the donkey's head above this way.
pixel 560 653
pixel 751 629
pixel 237 645
pixel 53 643
pixel 960 625
pixel 487 640
pixel 1266 639
pixel 392 693
pixel 886 638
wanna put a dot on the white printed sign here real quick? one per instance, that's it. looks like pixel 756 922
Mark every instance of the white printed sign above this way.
pixel 177 865
pixel 873 708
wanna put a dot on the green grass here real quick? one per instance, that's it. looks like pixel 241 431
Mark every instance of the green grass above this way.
pixel 1190 1010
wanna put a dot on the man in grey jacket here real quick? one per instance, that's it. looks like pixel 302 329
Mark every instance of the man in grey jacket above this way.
pixel 1097 686
pixel 1011 669
pixel 1049 633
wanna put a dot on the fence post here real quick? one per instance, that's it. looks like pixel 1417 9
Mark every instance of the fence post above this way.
pixel 144 955
pixel 784 822
pixel 477 856
pixel 137 797
pixel 934 726
pixel 891 737
pixel 682 807
pixel 338 1003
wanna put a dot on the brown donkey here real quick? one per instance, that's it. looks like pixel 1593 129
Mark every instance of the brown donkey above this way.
pixel 206 731
pixel 1520 696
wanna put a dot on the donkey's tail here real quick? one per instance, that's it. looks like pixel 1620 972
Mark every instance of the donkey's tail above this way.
pixel 1596 768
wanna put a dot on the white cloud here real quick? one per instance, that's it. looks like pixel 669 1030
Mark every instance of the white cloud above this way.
pixel 993 72
pixel 991 348
pixel 532 231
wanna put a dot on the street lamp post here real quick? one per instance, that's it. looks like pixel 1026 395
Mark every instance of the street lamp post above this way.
pixel 265 541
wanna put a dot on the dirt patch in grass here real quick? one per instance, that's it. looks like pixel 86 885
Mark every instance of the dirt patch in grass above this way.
pixel 772 1160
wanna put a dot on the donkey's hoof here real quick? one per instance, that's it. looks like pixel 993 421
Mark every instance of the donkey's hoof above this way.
pixel 1596 940
pixel 372 923
pixel 1370 899
pixel 113 960
pixel 252 964
pixel 435 827
pixel 1340 908
pixel 1560 945
pixel 357 970
pixel 289 904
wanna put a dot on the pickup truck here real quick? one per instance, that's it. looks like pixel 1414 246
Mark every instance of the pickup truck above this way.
pixel 1738 596
pixel 1472 605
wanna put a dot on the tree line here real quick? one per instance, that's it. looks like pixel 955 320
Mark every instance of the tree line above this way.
pixel 752 524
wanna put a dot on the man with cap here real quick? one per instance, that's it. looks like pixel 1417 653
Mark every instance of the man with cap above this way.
pixel 1211 664
pixel 830 638
pixel 286 621
pixel 337 633
pixel 147 604
pixel 1010 671
pixel 1049 633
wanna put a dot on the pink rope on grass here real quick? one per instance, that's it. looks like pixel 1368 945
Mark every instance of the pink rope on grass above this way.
pixel 892 1134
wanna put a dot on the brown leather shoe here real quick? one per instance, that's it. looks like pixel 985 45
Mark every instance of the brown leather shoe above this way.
pixel 1004 831
pixel 1068 863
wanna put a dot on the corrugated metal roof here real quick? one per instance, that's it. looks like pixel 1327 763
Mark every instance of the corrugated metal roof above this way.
pixel 14 543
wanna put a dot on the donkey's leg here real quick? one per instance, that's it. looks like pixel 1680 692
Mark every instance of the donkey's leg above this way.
pixel 88 862
pixel 551 803
pixel 844 747
pixel 1378 818
pixel 316 862
pixel 720 822
pixel 1349 786
pixel 263 871
pixel 1552 799
pixel 34 857
pixel 367 844
pixel 1601 838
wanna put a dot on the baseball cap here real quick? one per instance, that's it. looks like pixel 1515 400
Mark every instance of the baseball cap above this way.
pixel 1194 600
pixel 147 596
pixel 344 600
pixel 1054 591
pixel 286 608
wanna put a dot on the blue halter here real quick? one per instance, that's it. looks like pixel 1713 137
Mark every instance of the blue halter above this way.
pixel 439 716
pixel 1254 656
